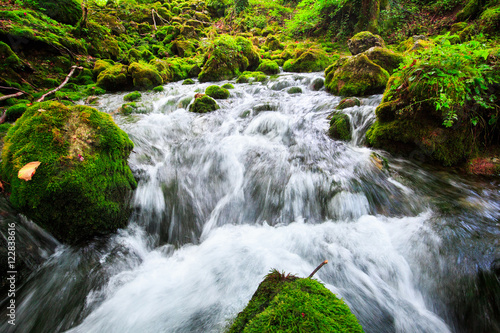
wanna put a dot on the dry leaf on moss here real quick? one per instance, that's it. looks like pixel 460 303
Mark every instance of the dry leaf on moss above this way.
pixel 28 170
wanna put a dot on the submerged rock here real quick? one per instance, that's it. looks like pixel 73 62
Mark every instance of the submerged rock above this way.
pixel 83 184
pixel 203 104
pixel 286 303
pixel 340 126
pixel 348 103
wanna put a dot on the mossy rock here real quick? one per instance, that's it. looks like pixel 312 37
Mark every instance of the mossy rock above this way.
pixel 158 89
pixel 348 103
pixel 83 184
pixel 471 10
pixel 144 76
pixel 414 43
pixel 340 127
pixel 363 41
pixel 101 65
pixel 224 60
pixel 489 21
pixel 203 104
pixel 273 43
pixel 217 92
pixel 9 58
pixel 290 304
pixel 355 76
pixel 133 96
pixel 317 84
pixel 64 11
pixel 187 82
pixel 385 58
pixel 228 86
pixel 269 67
pixel 113 78
pixel 312 60
pixel 249 51
pixel 15 111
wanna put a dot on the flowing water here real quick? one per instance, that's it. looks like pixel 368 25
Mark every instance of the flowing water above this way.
pixel 225 197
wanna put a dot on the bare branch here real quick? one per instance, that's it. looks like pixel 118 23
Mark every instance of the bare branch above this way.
pixel 61 85
pixel 317 268
pixel 13 95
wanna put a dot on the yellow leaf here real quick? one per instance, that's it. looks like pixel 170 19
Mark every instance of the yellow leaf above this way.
pixel 28 170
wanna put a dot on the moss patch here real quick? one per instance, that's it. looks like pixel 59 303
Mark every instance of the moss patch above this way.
pixel 203 104
pixel 340 127
pixel 217 92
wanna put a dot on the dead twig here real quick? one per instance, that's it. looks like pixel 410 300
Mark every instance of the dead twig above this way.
pixel 317 268
pixel 61 85
pixel 13 95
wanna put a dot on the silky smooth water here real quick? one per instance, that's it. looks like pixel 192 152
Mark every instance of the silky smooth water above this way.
pixel 225 197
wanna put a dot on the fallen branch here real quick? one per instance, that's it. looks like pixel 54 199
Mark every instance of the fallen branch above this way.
pixel 2 119
pixel 61 85
pixel 13 95
pixel 317 268
pixel 153 15
pixel 12 88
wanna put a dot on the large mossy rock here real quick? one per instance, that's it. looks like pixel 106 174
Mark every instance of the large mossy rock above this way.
pixel 144 76
pixel 290 304
pixel 83 184
pixel 310 60
pixel 113 78
pixel 64 11
pixel 224 59
pixel 363 41
pixel 355 76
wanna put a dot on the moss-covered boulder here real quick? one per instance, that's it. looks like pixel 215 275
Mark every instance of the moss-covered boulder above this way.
pixel 489 22
pixel 269 67
pixel 83 184
pixel 385 58
pixel 306 61
pixel 340 126
pixel 355 76
pixel 203 104
pixel 64 11
pixel 101 65
pixel 363 41
pixel 348 102
pixel 285 303
pixel 249 51
pixel 273 43
pixel 144 76
pixel 471 10
pixel 217 92
pixel 224 60
pixel 8 58
pixel 414 43
pixel 133 96
pixel 114 78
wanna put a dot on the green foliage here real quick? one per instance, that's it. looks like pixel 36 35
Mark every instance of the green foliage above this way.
pixel 455 79
pixel 217 92
pixel 289 304
pixel 132 96
pixel 83 183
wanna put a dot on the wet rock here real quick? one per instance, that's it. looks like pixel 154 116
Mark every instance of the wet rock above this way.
pixel 363 41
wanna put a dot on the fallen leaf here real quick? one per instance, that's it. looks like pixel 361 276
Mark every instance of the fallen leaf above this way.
pixel 28 170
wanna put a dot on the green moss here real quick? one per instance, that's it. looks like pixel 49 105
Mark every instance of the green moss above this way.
pixel 158 89
pixel 312 60
pixel 273 44
pixel 144 76
pixel 83 183
pixel 355 76
pixel 203 104
pixel 340 127
pixel 269 67
pixel 8 58
pixel 15 112
pixel 217 92
pixel 113 78
pixel 188 81
pixel 4 128
pixel 471 10
pixel 228 86
pixel 289 304
pixel 132 96
pixel 294 90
